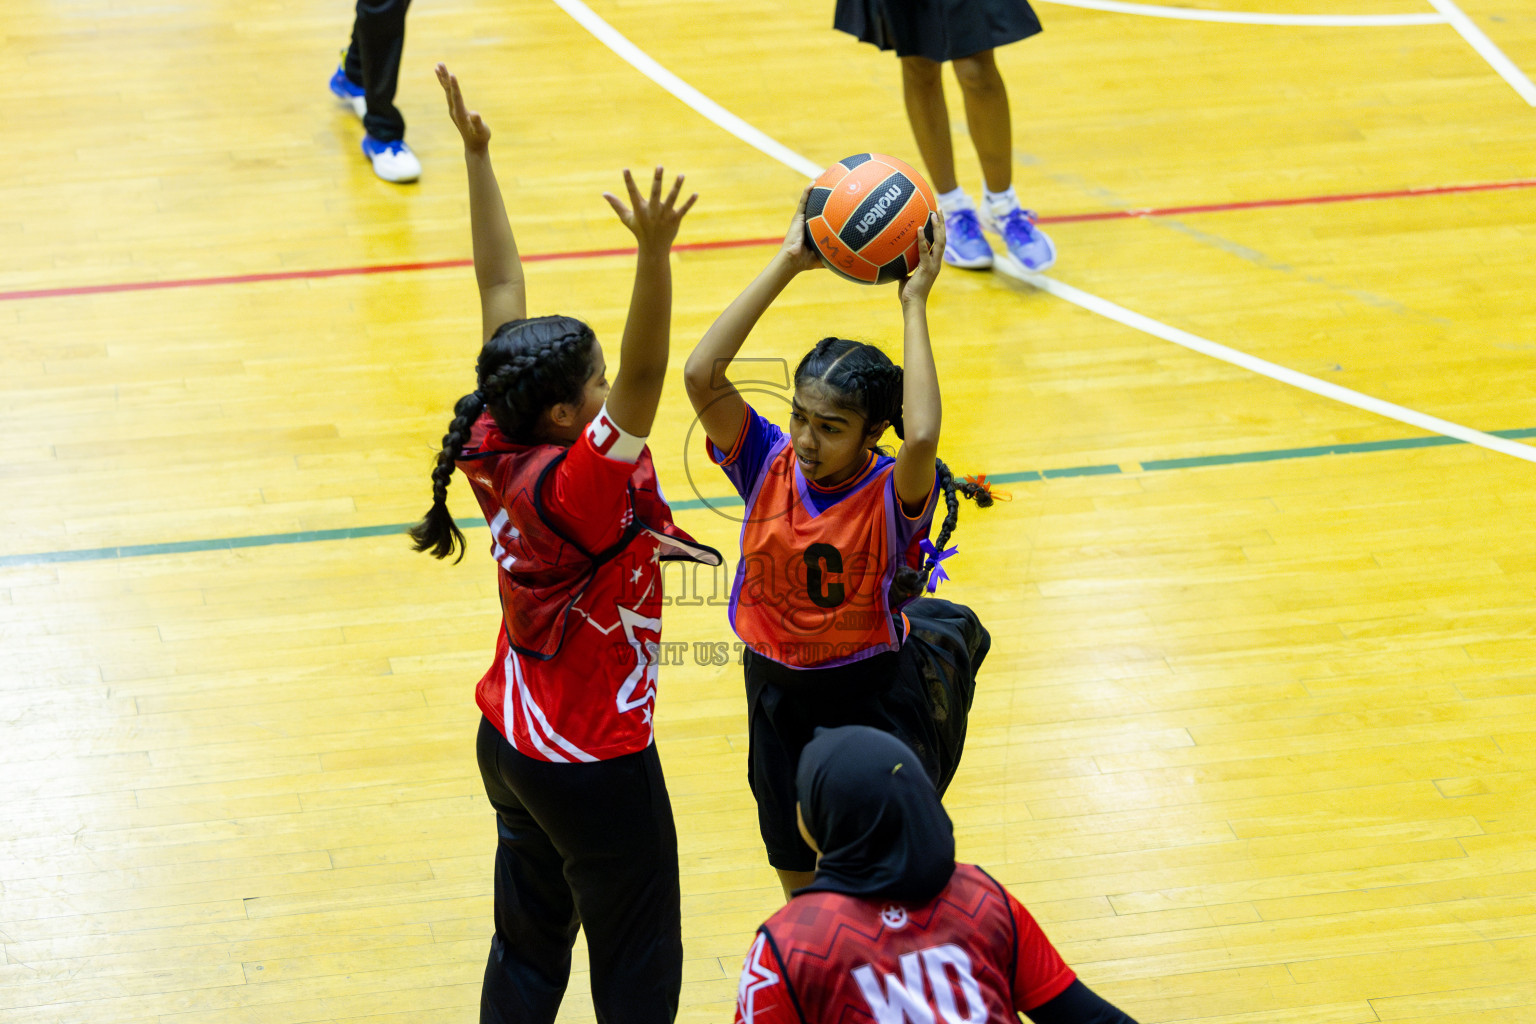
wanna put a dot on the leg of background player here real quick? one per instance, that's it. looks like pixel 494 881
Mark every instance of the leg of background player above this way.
pixel 987 114
pixel 922 85
pixel 373 58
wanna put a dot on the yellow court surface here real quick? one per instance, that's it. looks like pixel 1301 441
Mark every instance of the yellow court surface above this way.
pixel 1256 740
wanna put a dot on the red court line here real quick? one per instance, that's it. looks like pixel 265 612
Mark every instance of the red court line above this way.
pixel 380 268
pixel 1070 218
pixel 1261 204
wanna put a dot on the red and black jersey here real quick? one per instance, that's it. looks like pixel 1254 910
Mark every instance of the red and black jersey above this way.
pixel 972 954
pixel 578 538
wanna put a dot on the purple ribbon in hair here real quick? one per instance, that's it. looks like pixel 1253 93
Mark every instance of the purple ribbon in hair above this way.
pixel 938 575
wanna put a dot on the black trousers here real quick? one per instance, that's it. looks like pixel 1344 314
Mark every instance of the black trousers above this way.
pixel 587 845
pixel 373 61
pixel 920 694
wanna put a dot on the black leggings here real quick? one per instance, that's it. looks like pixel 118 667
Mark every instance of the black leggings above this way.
pixel 373 60
pixel 581 845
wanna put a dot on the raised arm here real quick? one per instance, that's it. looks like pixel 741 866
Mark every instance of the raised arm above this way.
pixel 498 270
pixel 648 330
pixel 921 409
pixel 719 406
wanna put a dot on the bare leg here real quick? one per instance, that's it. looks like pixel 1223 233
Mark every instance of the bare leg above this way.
pixel 792 880
pixel 922 85
pixel 986 112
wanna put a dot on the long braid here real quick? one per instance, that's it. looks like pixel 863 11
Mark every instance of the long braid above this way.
pixel 524 368
pixel 437 533
pixel 909 582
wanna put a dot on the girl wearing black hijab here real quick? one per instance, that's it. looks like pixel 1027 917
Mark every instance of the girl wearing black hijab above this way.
pixel 892 929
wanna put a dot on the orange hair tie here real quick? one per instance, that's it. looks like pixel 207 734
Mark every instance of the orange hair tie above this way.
pixel 980 483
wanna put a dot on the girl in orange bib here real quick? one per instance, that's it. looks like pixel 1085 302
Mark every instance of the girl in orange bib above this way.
pixel 832 546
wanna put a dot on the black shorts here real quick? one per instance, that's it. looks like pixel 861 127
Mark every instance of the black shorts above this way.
pixel 920 694
pixel 940 30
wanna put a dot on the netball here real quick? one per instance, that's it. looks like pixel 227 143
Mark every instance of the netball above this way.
pixel 864 215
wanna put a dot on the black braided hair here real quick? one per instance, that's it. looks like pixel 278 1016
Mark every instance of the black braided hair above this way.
pixel 856 376
pixel 909 582
pixel 526 367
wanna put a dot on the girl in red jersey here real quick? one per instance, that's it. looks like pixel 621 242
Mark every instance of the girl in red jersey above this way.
pixel 558 462
pixel 892 929
pixel 831 546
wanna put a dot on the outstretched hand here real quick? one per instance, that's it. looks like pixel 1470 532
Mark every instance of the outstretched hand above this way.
pixel 916 286
pixel 653 221
pixel 476 133
pixel 798 250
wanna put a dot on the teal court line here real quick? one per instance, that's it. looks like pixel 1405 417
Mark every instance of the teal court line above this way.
pixel 1024 476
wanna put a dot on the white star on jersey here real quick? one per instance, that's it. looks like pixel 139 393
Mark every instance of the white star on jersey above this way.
pixel 756 977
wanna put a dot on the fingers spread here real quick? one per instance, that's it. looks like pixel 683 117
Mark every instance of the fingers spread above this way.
pixel 677 186
pixel 634 192
pixel 618 206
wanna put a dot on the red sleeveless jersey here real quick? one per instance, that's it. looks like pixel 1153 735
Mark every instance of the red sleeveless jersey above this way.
pixel 971 955
pixel 578 539
pixel 812 587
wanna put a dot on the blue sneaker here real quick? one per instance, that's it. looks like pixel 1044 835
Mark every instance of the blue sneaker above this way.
pixel 392 161
pixel 1029 248
pixel 966 246
pixel 352 95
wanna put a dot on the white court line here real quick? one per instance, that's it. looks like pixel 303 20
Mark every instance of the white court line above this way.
pixel 1274 371
pixel 1449 14
pixel 1489 52
pixel 642 62
pixel 1244 18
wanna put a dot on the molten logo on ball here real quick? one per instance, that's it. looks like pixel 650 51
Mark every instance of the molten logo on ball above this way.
pixel 873 217
pixel 864 216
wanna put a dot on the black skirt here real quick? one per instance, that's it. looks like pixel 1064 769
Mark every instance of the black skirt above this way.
pixel 920 694
pixel 940 30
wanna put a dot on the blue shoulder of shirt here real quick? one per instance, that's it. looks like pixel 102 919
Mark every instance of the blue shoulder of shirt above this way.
pixel 744 464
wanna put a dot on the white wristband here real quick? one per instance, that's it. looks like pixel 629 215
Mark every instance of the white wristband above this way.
pixel 612 441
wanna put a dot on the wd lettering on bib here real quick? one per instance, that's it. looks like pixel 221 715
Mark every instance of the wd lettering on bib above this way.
pixel 936 986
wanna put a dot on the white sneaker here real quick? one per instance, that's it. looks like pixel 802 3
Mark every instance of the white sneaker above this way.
pixel 352 95
pixel 392 161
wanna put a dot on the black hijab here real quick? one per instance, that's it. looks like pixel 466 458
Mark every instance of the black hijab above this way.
pixel 873 811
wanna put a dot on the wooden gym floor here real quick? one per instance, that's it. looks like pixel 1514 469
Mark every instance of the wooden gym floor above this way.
pixel 1257 738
